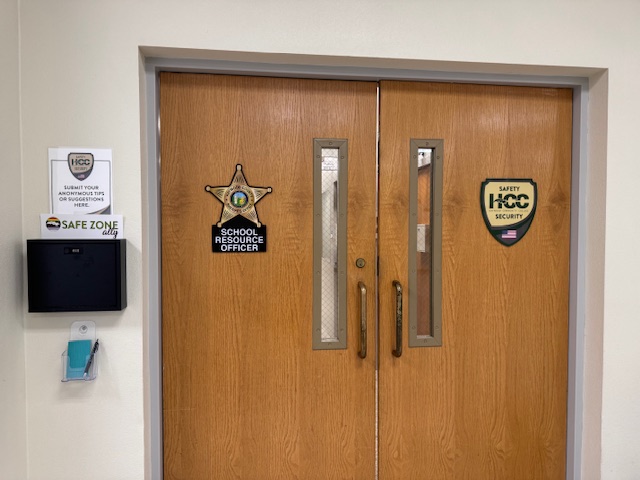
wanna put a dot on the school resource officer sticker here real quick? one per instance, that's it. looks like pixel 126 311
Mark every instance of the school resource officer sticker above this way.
pixel 508 207
pixel 239 230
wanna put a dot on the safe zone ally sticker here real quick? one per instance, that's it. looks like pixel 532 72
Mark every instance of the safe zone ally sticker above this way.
pixel 508 207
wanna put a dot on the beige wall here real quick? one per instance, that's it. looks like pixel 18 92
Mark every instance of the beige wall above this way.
pixel 80 87
pixel 13 446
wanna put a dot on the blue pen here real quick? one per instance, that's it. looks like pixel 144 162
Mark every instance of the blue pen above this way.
pixel 90 361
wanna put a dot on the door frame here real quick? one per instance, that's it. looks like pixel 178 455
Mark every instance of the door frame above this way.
pixel 155 60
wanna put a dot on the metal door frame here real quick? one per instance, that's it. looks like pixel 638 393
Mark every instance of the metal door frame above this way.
pixel 156 60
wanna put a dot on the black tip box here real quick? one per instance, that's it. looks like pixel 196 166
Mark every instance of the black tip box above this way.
pixel 76 275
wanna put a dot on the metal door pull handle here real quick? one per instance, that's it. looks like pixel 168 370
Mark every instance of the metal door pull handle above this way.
pixel 398 350
pixel 363 320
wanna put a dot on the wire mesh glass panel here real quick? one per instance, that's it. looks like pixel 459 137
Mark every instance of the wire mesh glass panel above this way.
pixel 330 157
pixel 330 299
pixel 423 254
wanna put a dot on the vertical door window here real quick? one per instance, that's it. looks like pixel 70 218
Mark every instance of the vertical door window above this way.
pixel 330 241
pixel 425 243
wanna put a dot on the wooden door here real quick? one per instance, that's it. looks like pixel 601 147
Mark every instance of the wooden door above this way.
pixel 491 402
pixel 244 394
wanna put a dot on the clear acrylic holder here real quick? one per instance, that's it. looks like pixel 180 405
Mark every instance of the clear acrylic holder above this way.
pixel 78 373
pixel 81 331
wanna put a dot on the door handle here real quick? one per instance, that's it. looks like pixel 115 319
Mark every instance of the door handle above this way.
pixel 363 320
pixel 398 350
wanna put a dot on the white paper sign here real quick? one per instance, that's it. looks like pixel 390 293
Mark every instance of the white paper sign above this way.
pixel 81 226
pixel 80 180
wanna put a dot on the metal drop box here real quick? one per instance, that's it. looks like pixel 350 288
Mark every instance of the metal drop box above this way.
pixel 76 275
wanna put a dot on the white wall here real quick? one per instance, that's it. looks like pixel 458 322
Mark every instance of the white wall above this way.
pixel 13 445
pixel 80 86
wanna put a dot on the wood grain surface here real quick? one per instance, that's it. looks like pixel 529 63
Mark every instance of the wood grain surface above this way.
pixel 491 402
pixel 245 396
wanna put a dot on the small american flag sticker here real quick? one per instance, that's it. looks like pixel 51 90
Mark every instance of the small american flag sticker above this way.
pixel 509 234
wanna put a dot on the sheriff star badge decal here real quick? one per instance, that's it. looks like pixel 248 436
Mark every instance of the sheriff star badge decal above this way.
pixel 238 198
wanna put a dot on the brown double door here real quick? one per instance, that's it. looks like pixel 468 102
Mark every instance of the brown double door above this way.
pixel 245 394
